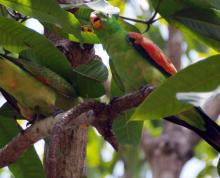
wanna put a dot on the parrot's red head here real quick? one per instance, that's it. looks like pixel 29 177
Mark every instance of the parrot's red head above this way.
pixel 104 22
pixel 96 21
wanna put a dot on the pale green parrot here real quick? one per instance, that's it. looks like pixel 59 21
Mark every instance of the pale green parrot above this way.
pixel 137 61
pixel 43 96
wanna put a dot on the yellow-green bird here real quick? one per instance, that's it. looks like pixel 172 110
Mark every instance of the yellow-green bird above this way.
pixel 39 93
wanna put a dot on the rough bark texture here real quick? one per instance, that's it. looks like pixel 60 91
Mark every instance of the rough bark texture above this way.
pixel 90 113
pixel 72 156
pixel 72 160
pixel 168 154
pixel 175 146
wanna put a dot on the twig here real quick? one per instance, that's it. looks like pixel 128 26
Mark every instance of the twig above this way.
pixel 140 21
pixel 17 16
pixel 146 22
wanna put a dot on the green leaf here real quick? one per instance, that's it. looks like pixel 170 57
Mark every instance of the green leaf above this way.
pixel 94 70
pixel 127 132
pixel 48 11
pixel 89 78
pixel 203 22
pixel 214 3
pixel 205 152
pixel 169 7
pixel 93 145
pixel 29 164
pixel 83 15
pixel 87 37
pixel 8 111
pixel 17 38
pixel 202 76
pixel 208 171
pixel 198 17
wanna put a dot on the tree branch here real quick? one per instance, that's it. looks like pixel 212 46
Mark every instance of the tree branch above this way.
pixel 99 115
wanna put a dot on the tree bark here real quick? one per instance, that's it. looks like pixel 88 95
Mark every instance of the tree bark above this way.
pixel 72 156
pixel 170 151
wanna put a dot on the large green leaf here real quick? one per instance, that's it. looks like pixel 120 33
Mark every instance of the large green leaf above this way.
pixel 89 78
pixel 7 110
pixel 29 165
pixel 127 132
pixel 202 76
pixel 214 3
pixel 197 17
pixel 95 70
pixel 169 7
pixel 205 23
pixel 48 11
pixel 17 38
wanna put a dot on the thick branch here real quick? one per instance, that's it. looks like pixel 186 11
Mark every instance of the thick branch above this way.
pixel 104 114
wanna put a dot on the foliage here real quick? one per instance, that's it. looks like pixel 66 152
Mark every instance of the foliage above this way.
pixel 151 109
pixel 39 58
pixel 29 165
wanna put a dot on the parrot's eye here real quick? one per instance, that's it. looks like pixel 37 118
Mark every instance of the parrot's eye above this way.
pixel 95 21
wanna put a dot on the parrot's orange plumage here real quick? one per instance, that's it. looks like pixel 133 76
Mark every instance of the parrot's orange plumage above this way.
pixel 154 52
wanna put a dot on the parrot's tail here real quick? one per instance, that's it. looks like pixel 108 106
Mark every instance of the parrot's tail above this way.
pixel 212 133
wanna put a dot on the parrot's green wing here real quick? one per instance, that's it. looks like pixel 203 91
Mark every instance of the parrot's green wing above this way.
pixel 31 94
pixel 46 76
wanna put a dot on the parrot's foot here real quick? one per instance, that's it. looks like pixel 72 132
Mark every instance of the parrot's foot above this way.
pixel 113 98
pixel 56 111
pixel 35 117
pixel 29 123
pixel 32 121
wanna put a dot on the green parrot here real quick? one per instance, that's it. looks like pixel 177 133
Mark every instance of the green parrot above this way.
pixel 34 97
pixel 136 61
